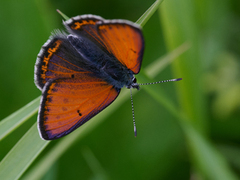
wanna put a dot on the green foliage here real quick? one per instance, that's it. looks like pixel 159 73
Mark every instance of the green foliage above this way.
pixel 186 129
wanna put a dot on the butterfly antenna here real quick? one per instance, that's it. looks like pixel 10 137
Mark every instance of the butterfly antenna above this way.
pixel 161 81
pixel 134 124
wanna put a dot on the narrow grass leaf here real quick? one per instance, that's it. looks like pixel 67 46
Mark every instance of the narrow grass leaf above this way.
pixel 22 154
pixel 179 25
pixel 148 13
pixel 63 15
pixel 13 121
pixel 158 65
pixel 208 159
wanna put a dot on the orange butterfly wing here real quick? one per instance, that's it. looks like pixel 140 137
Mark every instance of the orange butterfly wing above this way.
pixel 69 103
pixel 85 26
pixel 53 61
pixel 125 42
pixel 121 38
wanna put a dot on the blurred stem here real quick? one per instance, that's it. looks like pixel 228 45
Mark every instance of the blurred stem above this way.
pixel 184 20
pixel 179 25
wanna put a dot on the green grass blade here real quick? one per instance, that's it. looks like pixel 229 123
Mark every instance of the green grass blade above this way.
pixel 179 24
pixel 22 154
pixel 63 15
pixel 148 13
pixel 211 163
pixel 13 121
pixel 157 66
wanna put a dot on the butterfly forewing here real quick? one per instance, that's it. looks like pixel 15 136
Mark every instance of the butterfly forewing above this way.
pixel 85 26
pixel 56 60
pixel 121 38
pixel 125 42
pixel 69 103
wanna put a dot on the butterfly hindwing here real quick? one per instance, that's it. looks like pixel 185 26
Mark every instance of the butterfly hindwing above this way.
pixel 68 103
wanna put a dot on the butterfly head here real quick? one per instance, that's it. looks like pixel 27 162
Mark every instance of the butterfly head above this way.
pixel 133 84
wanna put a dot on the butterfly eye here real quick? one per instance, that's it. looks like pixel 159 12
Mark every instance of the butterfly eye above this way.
pixel 134 80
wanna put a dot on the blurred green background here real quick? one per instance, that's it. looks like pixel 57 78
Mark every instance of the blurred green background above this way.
pixel 208 93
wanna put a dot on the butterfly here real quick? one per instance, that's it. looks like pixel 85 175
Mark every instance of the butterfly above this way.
pixel 82 72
